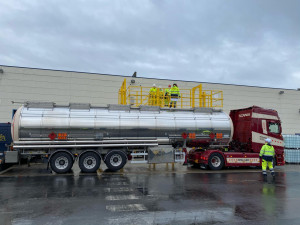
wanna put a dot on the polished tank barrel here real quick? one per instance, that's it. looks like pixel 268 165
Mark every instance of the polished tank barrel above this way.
pixel 115 122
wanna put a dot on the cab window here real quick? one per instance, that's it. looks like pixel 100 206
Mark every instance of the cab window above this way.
pixel 274 127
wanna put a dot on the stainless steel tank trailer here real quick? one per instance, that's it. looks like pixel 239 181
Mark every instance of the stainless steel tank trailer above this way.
pixel 114 134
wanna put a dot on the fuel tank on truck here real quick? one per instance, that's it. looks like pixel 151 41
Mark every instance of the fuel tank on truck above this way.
pixel 48 121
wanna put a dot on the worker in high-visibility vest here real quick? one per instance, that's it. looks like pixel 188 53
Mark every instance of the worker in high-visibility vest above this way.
pixel 175 94
pixel 267 154
pixel 152 95
pixel 167 95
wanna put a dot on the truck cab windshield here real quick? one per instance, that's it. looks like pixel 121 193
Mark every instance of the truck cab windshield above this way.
pixel 274 127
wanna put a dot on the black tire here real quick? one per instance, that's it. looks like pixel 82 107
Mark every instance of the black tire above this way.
pixel 115 160
pixel 89 162
pixel 216 161
pixel 61 162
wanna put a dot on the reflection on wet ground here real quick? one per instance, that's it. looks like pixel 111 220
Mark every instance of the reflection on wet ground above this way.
pixel 230 197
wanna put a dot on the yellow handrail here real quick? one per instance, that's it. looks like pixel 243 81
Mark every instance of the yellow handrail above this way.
pixel 189 98
pixel 122 94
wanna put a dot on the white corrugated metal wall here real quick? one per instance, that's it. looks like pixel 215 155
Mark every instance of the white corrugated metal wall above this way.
pixel 27 84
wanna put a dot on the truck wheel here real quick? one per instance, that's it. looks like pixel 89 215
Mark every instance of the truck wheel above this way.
pixel 115 160
pixel 61 162
pixel 216 161
pixel 89 162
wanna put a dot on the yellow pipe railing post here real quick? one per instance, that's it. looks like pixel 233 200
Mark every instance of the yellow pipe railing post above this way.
pixel 181 99
pixel 193 96
pixel 190 98
pixel 141 96
pixel 123 93
pixel 200 94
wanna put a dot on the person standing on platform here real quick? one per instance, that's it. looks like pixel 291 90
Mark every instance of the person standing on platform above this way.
pixel 175 94
pixel 167 96
pixel 152 95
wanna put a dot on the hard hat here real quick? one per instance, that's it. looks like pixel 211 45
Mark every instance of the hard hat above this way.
pixel 154 85
pixel 268 140
pixel 169 85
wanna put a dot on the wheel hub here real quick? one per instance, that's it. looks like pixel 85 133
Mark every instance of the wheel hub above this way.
pixel 61 163
pixel 89 162
pixel 216 161
pixel 116 160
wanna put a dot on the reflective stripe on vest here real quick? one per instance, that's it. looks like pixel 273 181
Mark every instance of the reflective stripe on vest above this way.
pixel 267 150
pixel 175 90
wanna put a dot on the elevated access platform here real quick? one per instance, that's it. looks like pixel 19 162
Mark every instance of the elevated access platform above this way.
pixel 135 95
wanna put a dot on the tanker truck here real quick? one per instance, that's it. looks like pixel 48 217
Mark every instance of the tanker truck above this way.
pixel 116 134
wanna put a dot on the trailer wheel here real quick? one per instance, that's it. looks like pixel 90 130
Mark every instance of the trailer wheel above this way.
pixel 89 162
pixel 61 162
pixel 216 161
pixel 115 160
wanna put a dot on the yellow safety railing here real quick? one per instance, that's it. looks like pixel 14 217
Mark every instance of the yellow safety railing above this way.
pixel 188 98
pixel 123 93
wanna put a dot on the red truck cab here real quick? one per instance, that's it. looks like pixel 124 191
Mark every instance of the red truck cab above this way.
pixel 251 126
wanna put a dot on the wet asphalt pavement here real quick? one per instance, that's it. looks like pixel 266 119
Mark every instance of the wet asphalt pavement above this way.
pixel 143 195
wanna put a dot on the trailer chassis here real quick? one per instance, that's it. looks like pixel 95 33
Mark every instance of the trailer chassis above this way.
pixel 61 155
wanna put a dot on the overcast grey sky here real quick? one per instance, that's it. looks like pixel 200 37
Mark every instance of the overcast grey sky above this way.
pixel 247 42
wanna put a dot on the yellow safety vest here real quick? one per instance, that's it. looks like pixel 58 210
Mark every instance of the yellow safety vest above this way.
pixel 153 91
pixel 267 152
pixel 175 91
